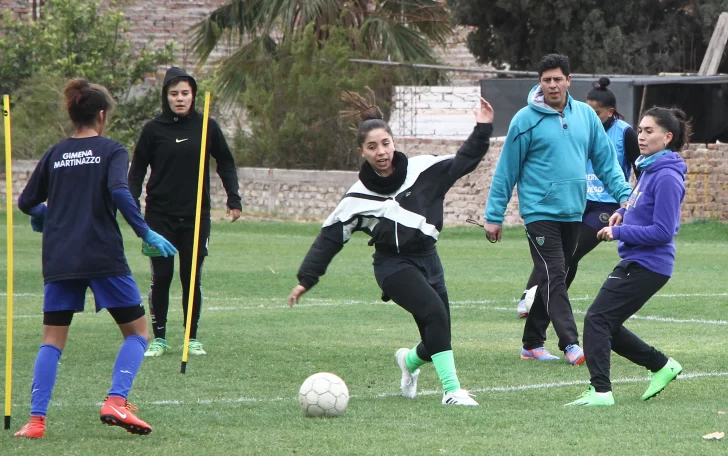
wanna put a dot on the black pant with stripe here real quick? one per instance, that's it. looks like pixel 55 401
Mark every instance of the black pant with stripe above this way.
pixel 587 242
pixel 552 246
pixel 627 288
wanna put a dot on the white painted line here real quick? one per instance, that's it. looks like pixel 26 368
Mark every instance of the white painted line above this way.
pixel 633 317
pixel 492 389
pixel 479 304
pixel 479 301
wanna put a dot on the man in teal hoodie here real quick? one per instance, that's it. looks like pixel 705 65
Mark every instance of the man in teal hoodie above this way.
pixel 545 153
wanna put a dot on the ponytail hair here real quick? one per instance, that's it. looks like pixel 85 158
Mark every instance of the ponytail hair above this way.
pixel 675 121
pixel 364 108
pixel 605 97
pixel 84 101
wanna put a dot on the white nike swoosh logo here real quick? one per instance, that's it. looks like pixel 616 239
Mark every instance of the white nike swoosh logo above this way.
pixel 122 415
pixel 34 391
pixel 125 372
pixel 613 277
pixel 180 140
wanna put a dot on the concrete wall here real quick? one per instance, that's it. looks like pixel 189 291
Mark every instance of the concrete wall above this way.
pixel 311 195
pixel 434 112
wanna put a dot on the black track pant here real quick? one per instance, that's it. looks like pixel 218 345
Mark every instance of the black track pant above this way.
pixel 418 286
pixel 180 232
pixel 587 241
pixel 552 245
pixel 624 292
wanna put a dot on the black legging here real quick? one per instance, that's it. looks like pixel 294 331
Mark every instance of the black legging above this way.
pixel 162 275
pixel 431 311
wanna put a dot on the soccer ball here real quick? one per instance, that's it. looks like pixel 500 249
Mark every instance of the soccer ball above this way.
pixel 323 394
pixel 530 296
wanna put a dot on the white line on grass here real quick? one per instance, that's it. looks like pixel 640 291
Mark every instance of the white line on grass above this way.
pixel 453 304
pixel 491 389
pixel 633 317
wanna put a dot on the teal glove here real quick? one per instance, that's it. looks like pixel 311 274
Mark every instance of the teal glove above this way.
pixel 159 243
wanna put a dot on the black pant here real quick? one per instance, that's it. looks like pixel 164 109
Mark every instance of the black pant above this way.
pixel 552 246
pixel 181 233
pixel 625 291
pixel 417 284
pixel 587 241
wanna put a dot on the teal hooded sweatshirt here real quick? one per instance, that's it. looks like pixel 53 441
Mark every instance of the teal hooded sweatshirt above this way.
pixel 546 154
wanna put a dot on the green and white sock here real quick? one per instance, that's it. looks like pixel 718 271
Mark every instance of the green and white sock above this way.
pixel 413 361
pixel 445 366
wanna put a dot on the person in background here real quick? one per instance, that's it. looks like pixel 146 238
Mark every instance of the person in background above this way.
pixel 170 145
pixel 546 151
pixel 599 204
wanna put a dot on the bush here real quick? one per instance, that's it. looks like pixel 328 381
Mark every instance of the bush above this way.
pixel 74 38
pixel 293 105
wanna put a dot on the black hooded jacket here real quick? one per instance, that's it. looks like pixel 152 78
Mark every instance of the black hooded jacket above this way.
pixel 402 214
pixel 170 144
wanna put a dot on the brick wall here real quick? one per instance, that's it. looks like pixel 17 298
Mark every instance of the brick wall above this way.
pixel 312 195
pixel 457 54
pixel 19 9
pixel 167 20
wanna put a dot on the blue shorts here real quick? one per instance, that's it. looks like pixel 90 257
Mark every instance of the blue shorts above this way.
pixel 597 214
pixel 120 291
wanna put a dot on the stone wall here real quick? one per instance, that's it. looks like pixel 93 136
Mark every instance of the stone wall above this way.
pixel 312 195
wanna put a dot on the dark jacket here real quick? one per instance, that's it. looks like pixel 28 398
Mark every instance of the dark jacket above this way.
pixel 407 220
pixel 170 144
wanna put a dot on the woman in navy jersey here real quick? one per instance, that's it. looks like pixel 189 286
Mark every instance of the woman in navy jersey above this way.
pixel 599 204
pixel 83 179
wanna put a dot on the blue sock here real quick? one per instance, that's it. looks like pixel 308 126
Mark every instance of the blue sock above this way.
pixel 128 362
pixel 44 378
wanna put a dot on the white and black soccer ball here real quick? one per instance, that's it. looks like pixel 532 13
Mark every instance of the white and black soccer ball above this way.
pixel 323 394
pixel 530 296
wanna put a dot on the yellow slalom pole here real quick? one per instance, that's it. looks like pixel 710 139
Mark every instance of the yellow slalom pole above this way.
pixel 195 243
pixel 9 215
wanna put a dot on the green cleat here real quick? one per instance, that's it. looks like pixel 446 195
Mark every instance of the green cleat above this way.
pixel 195 348
pixel 661 378
pixel 158 347
pixel 590 398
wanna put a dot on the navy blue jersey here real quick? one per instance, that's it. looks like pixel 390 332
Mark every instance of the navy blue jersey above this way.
pixel 81 239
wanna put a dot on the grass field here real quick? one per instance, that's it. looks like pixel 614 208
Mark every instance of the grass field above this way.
pixel 241 398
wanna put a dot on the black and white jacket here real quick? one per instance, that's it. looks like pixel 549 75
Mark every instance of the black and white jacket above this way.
pixel 406 221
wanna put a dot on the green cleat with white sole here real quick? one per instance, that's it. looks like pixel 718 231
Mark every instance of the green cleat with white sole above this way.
pixel 661 378
pixel 157 347
pixel 195 348
pixel 590 398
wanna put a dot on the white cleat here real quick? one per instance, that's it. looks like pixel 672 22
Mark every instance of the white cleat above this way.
pixel 458 397
pixel 409 379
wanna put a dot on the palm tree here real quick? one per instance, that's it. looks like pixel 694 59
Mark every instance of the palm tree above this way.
pixel 401 30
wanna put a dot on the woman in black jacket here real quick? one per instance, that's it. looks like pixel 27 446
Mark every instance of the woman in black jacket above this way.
pixel 399 203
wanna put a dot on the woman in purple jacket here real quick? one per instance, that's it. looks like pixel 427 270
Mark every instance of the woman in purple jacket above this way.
pixel 645 230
